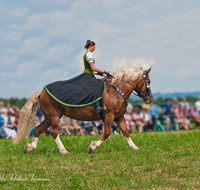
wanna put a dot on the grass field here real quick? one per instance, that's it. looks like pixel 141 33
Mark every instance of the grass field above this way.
pixel 166 160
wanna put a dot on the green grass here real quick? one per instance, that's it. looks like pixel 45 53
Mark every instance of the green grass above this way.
pixel 166 160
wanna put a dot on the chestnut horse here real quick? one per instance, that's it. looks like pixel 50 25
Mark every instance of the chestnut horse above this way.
pixel 126 80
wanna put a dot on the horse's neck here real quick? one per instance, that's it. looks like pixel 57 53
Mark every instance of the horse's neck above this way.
pixel 126 88
pixel 125 78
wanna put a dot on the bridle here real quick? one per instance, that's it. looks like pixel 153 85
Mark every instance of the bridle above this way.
pixel 137 90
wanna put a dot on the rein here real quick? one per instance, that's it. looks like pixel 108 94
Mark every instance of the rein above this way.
pixel 139 94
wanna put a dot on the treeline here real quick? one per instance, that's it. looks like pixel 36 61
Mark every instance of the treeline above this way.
pixel 21 101
pixel 161 100
pixel 18 101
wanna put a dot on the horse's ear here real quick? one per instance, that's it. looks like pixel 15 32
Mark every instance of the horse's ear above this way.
pixel 141 68
pixel 147 71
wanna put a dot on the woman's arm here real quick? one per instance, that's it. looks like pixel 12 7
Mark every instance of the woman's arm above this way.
pixel 95 68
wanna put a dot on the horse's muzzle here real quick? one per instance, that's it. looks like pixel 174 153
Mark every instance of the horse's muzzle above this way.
pixel 148 99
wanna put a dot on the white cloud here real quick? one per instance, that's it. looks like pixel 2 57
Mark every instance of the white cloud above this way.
pixel 8 60
pixel 56 73
pixel 14 36
pixel 28 69
pixel 16 85
pixel 32 46
pixel 58 53
pixel 19 12
pixel 121 63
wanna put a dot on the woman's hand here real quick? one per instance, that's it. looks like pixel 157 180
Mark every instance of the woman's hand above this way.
pixel 107 73
pixel 99 73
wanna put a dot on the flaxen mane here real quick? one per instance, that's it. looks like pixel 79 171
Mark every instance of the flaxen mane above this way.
pixel 127 74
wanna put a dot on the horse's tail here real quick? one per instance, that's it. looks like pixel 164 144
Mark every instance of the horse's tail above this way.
pixel 27 119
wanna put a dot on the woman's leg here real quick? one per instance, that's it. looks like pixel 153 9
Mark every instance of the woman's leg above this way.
pixel 133 128
pixel 140 127
pixel 184 124
pixel 188 123
pixel 3 134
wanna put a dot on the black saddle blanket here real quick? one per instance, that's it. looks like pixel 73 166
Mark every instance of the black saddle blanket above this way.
pixel 80 91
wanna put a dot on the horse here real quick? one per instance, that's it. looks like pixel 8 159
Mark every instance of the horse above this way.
pixel 117 90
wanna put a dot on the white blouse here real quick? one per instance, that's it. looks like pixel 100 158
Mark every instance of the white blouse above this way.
pixel 89 57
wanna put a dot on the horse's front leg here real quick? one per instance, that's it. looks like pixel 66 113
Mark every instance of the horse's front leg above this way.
pixel 108 127
pixel 122 125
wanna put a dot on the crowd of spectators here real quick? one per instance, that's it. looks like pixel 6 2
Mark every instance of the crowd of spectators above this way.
pixel 172 115
pixel 9 117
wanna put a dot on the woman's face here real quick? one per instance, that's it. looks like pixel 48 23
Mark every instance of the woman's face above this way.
pixel 92 48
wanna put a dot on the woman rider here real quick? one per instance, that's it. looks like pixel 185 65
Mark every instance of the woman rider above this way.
pixel 90 68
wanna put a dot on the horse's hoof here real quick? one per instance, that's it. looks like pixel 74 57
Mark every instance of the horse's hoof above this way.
pixel 135 148
pixel 91 149
pixel 28 148
pixel 63 151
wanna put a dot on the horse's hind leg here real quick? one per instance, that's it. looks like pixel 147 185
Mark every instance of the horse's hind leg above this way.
pixel 122 125
pixel 38 130
pixel 108 127
pixel 55 135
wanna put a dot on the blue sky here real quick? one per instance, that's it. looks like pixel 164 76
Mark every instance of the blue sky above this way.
pixel 42 41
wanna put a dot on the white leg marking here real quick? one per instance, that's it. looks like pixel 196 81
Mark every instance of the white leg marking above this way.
pixel 60 145
pixel 131 144
pixel 34 142
pixel 98 143
pixel 32 146
pixel 94 145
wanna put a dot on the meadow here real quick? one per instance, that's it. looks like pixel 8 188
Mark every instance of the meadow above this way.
pixel 166 160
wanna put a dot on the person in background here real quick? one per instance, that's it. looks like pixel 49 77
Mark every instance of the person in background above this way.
pixel 195 116
pixel 146 118
pixel 137 119
pixel 161 121
pixel 184 103
pixel 167 107
pixel 16 120
pixel 15 109
pixel 76 128
pixel 186 112
pixel 129 122
pixel 10 109
pixel 114 127
pixel 173 119
pixel 100 126
pixel 185 123
pixel 39 114
pixel 9 125
pixel 153 113
pixel 175 103
pixel 3 110
pixel 197 104
pixel 129 108
pixel 87 126
pixel 3 133
pixel 65 125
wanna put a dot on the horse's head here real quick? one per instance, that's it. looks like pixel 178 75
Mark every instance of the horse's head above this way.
pixel 143 87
